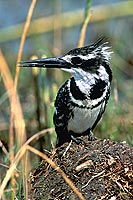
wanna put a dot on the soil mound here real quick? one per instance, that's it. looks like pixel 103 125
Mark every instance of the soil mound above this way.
pixel 100 169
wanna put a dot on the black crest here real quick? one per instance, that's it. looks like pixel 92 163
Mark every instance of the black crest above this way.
pixel 87 49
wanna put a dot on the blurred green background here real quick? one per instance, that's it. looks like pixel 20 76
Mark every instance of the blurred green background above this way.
pixel 49 36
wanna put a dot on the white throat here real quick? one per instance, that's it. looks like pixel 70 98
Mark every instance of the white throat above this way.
pixel 85 80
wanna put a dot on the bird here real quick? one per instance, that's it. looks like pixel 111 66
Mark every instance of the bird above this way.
pixel 82 99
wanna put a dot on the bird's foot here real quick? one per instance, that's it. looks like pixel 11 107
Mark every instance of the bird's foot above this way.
pixel 77 140
pixel 91 136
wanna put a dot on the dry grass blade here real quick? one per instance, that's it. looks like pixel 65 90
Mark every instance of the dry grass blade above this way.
pixel 16 109
pixel 25 164
pixel 18 157
pixel 8 82
pixel 6 75
pixel 84 27
pixel 3 148
pixel 25 30
pixel 10 171
pixel 57 168
pixel 116 97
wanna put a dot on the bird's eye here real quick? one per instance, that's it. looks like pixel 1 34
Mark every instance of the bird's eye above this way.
pixel 90 65
pixel 76 60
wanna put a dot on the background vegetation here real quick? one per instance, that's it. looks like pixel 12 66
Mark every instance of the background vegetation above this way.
pixel 51 28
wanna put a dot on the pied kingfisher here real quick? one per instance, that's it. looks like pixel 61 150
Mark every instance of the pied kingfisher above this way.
pixel 81 100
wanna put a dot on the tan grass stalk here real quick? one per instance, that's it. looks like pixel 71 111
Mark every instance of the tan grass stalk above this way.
pixel 3 148
pixel 115 91
pixel 8 83
pixel 10 171
pixel 18 157
pixel 16 109
pixel 25 30
pixel 57 31
pixel 16 117
pixel 25 164
pixel 83 30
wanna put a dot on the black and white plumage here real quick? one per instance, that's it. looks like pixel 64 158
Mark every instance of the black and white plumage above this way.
pixel 81 100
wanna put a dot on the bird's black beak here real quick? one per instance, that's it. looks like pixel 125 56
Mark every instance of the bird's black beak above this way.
pixel 46 63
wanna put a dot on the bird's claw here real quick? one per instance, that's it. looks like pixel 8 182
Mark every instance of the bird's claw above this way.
pixel 91 136
pixel 77 140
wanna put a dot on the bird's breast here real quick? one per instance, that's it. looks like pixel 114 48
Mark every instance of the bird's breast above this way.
pixel 83 119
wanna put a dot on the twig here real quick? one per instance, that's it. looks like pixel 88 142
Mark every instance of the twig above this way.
pixel 99 174
pixel 84 165
pixel 3 165
pixel 67 148
pixel 38 134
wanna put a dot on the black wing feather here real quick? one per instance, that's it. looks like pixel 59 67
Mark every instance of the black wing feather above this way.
pixel 62 114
